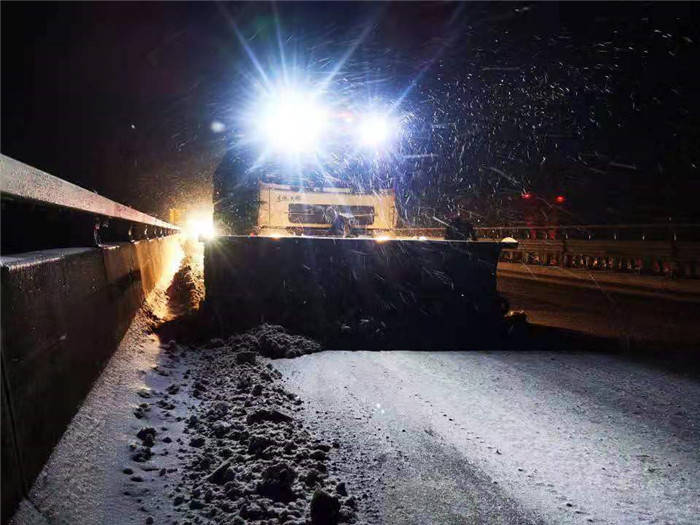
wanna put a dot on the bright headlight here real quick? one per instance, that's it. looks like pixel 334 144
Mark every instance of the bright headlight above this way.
pixel 292 122
pixel 375 130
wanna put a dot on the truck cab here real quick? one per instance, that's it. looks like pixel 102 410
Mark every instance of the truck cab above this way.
pixel 286 210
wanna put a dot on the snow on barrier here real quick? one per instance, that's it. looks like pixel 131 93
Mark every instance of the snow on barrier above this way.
pixel 64 314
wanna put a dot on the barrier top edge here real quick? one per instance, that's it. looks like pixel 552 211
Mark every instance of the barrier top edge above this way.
pixel 22 181
pixel 371 240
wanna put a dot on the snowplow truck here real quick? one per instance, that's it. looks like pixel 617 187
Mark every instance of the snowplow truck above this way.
pixel 330 263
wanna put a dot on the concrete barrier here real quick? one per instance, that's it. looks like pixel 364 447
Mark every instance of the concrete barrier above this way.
pixel 64 313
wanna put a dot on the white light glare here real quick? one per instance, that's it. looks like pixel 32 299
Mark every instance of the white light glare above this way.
pixel 293 122
pixel 217 127
pixel 375 130
pixel 197 227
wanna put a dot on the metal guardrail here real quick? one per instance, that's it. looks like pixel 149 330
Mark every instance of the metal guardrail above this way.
pixel 41 211
pixel 657 249
pixel 22 181
pixel 617 232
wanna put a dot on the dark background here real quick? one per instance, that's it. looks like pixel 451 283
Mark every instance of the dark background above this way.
pixel 597 102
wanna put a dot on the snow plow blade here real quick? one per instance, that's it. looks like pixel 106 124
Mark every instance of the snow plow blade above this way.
pixel 356 293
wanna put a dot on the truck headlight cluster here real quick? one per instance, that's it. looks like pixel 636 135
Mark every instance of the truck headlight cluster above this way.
pixel 295 122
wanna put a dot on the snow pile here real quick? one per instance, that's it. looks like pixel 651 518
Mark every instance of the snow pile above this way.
pixel 242 455
pixel 274 342
pixel 187 288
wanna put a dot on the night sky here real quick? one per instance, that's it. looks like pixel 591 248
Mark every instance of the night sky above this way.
pixel 597 102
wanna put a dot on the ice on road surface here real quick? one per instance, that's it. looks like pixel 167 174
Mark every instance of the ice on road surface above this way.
pixel 508 437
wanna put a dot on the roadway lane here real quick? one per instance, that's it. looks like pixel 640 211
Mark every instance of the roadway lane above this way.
pixel 656 312
pixel 507 437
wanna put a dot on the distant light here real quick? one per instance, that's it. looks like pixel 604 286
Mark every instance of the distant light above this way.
pixel 133 126
pixel 200 226
pixel 508 239
pixel 382 238
pixel 217 127
pixel 560 199
pixel 526 195
pixel 292 122
pixel 422 238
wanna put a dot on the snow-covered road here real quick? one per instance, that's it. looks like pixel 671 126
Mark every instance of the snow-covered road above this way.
pixel 509 437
